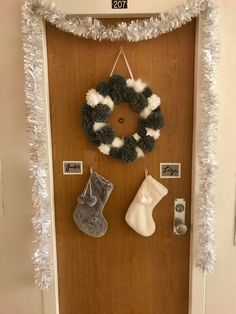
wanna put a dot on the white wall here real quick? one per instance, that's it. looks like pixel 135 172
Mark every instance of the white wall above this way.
pixel 17 291
pixel 104 6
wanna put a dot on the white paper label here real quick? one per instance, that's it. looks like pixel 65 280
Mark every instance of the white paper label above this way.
pixel 72 167
pixel 170 170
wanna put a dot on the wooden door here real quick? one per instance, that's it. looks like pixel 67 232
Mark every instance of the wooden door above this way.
pixel 121 272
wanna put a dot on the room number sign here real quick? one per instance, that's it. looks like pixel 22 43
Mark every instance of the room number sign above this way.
pixel 119 4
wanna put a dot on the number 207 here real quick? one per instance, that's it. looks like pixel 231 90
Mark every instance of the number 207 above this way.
pixel 119 4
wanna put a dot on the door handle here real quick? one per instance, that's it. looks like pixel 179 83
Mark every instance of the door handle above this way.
pixel 179 227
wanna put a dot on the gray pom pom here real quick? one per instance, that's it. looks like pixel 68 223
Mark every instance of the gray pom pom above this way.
pixel 100 113
pixel 115 153
pixel 146 143
pixel 130 142
pixel 147 92
pixel 128 155
pixel 103 88
pixel 138 102
pixel 155 121
pixel 105 135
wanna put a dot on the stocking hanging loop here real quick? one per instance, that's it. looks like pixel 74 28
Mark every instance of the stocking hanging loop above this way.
pixel 122 53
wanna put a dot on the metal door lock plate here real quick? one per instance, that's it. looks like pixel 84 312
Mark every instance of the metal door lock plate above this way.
pixel 179 226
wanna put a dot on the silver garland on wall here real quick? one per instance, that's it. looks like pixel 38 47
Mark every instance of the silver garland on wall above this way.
pixel 37 132
pixel 210 48
pixel 33 13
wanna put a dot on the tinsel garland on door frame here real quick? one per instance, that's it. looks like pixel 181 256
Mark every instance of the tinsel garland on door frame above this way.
pixel 34 13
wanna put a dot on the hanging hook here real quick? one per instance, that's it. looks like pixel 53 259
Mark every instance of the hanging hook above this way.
pixel 121 52
pixel 146 172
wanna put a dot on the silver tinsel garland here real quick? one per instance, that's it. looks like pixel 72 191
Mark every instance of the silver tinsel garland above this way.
pixel 34 12
pixel 210 48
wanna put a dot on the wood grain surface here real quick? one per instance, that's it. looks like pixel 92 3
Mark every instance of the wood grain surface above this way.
pixel 121 272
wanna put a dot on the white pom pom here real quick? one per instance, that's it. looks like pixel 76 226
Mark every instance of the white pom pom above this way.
pixel 146 112
pixel 153 133
pixel 138 85
pixel 130 82
pixel 108 101
pixel 98 125
pixel 117 142
pixel 92 97
pixel 139 151
pixel 104 148
pixel 136 136
pixel 153 101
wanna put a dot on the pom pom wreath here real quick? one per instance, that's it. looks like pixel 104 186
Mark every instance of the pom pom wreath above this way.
pixel 99 106
pixel 146 143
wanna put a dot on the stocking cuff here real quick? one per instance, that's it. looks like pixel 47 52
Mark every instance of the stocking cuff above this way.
pixel 102 182
pixel 157 186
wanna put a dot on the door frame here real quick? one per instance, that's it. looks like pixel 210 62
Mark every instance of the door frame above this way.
pixel 197 282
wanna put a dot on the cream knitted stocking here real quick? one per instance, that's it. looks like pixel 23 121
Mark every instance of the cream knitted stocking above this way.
pixel 139 215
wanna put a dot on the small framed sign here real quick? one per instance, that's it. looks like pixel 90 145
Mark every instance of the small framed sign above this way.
pixel 119 4
pixel 170 170
pixel 72 167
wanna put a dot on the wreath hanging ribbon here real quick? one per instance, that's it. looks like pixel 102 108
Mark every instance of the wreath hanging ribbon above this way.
pixel 99 105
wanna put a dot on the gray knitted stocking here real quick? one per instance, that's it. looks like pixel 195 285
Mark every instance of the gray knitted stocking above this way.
pixel 88 214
